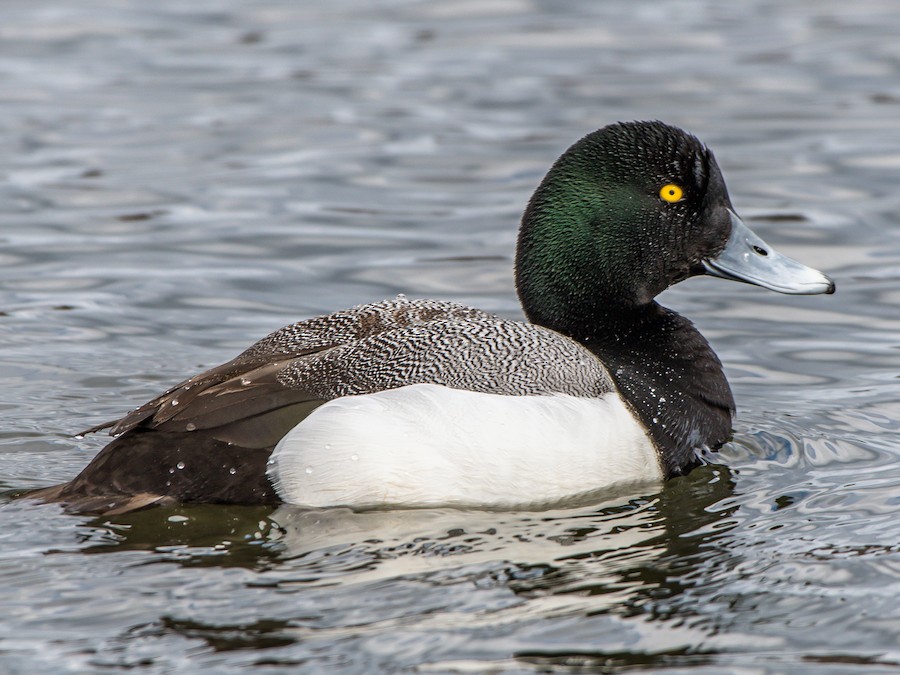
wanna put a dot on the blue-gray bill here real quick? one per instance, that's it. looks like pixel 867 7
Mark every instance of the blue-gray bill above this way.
pixel 746 257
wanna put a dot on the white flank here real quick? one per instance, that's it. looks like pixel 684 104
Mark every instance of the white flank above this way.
pixel 426 446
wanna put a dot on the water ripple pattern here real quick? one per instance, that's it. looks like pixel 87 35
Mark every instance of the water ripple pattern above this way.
pixel 179 179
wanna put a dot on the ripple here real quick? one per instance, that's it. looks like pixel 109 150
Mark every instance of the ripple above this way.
pixel 181 181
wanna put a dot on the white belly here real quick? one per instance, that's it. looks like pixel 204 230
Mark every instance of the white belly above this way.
pixel 427 446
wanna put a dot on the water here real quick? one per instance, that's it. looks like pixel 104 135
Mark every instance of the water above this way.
pixel 178 180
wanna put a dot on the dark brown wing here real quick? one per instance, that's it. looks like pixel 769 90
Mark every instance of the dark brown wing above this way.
pixel 207 440
pixel 219 397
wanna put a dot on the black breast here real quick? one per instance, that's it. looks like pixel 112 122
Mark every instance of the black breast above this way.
pixel 673 381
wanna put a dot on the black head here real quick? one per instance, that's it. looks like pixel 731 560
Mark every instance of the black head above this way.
pixel 626 212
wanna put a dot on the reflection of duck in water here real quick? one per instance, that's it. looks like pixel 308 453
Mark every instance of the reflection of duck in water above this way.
pixel 559 551
pixel 609 569
pixel 424 403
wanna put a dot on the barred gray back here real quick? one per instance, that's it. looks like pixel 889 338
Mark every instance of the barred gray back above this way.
pixel 396 343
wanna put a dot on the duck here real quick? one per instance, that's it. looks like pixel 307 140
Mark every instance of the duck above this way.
pixel 416 403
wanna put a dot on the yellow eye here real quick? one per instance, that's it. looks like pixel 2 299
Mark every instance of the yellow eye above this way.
pixel 671 193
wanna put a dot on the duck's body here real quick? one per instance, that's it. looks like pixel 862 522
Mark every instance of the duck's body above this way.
pixel 424 403
pixel 411 402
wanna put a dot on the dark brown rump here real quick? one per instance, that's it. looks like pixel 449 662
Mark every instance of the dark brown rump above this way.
pixel 149 467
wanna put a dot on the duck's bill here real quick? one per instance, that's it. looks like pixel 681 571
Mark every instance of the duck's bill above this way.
pixel 748 258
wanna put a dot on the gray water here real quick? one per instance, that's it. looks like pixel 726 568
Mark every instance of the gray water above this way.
pixel 178 179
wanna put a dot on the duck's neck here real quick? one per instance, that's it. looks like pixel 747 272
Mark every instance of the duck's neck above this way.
pixel 662 365
pixel 671 378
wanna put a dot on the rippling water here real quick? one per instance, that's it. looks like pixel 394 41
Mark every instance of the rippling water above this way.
pixel 180 179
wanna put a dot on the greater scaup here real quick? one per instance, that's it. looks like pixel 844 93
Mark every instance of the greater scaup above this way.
pixel 425 403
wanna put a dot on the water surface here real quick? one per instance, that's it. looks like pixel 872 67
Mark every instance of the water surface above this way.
pixel 179 180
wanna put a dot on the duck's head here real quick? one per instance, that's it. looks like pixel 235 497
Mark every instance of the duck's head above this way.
pixel 628 211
